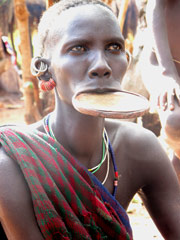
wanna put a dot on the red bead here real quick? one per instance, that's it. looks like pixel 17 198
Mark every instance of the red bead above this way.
pixel 116 174
pixel 47 85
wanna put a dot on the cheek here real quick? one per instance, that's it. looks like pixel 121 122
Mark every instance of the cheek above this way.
pixel 68 77
pixel 69 69
pixel 119 69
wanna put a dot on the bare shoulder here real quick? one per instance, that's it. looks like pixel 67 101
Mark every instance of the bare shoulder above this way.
pixel 16 210
pixel 9 173
pixel 143 146
pixel 138 138
pixel 131 134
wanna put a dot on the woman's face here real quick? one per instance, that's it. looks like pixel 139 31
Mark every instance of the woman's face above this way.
pixel 89 54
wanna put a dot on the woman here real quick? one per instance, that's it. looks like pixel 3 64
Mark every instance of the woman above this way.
pixel 68 156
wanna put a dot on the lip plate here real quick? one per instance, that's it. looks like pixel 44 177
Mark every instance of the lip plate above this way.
pixel 136 104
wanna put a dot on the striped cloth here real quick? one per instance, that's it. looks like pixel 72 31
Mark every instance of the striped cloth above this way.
pixel 69 202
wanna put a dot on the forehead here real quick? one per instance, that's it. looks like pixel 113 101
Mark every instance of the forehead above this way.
pixel 87 20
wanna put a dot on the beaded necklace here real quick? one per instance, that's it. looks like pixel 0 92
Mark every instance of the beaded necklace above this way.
pixel 106 144
pixel 96 168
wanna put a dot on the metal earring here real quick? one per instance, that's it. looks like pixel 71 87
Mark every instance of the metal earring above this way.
pixel 40 69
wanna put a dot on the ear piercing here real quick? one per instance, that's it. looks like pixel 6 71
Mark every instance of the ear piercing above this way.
pixel 40 69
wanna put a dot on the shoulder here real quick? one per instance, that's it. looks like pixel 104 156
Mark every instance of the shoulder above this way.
pixel 22 129
pixel 13 187
pixel 5 162
pixel 130 133
pixel 143 149
pixel 11 181
pixel 138 144
pixel 10 178
pixel 138 137
pixel 140 151
pixel 16 209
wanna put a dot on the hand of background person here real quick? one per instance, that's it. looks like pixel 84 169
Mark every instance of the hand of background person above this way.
pixel 170 92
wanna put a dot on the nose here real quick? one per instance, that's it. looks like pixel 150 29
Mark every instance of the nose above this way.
pixel 99 67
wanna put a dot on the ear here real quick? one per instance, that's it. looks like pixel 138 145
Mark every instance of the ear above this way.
pixel 40 68
pixel 129 57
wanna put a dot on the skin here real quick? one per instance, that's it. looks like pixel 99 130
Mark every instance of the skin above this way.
pixel 163 18
pixel 96 48
pixel 163 23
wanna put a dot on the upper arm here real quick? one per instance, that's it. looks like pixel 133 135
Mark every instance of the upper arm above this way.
pixel 155 15
pixel 161 193
pixel 16 210
pixel 155 5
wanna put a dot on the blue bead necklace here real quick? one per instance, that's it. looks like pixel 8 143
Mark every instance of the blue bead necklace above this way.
pixel 109 149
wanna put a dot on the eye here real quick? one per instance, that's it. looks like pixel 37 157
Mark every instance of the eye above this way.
pixel 78 49
pixel 114 47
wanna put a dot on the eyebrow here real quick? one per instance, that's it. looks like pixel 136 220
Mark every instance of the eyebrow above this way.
pixel 117 39
pixel 80 40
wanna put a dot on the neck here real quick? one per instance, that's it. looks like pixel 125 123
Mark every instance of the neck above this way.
pixel 80 134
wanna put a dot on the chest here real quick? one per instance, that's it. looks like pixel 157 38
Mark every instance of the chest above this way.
pixel 129 179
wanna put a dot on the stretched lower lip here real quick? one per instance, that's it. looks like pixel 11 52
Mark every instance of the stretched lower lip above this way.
pixel 99 91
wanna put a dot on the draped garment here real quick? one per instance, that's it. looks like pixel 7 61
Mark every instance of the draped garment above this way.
pixel 69 202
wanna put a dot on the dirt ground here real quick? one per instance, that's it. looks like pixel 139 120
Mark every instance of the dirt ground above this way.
pixel 12 111
pixel 142 225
